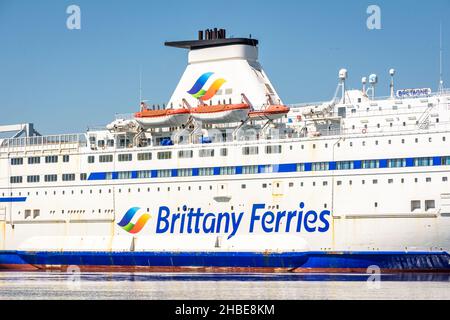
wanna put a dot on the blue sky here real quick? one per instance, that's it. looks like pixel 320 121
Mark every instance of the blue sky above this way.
pixel 65 80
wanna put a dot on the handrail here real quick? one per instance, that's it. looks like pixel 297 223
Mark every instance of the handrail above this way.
pixel 39 141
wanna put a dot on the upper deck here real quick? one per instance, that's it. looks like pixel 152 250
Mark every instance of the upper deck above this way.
pixel 381 116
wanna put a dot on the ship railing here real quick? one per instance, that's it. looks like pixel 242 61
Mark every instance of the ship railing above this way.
pixel 124 116
pixel 64 141
pixel 445 91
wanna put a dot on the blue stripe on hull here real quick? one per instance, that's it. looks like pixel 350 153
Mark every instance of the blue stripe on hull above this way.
pixel 439 261
pixel 10 258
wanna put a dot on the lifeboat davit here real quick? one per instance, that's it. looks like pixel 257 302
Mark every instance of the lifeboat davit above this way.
pixel 272 112
pixel 221 113
pixel 162 118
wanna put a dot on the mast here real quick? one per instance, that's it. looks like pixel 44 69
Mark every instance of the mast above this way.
pixel 441 80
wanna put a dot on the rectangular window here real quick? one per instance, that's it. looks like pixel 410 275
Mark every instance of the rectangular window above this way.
pixel 68 177
pixel 206 171
pixel 105 158
pixel 266 168
pixel 34 160
pixel 370 164
pixel 415 205
pixel 83 176
pixel 445 161
pixel 91 159
pixel 227 170
pixel 164 155
pixel 144 174
pixel 320 166
pixel 51 159
pixel 300 167
pixel 250 150
pixel 273 149
pixel 185 172
pixel 223 152
pixel 183 154
pixel 66 158
pixel 249 169
pixel 396 163
pixel 16 161
pixel 16 179
pixel 344 165
pixel 144 156
pixel 101 143
pixel 33 179
pixel 423 162
pixel 51 178
pixel 203 153
pixel 164 173
pixel 125 157
pixel 430 204
pixel 124 175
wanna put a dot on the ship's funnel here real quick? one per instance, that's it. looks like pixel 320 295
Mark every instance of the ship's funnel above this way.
pixel 220 70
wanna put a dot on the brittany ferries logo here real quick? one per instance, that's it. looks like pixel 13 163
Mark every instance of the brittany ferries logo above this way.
pixel 198 221
pixel 198 92
pixel 130 227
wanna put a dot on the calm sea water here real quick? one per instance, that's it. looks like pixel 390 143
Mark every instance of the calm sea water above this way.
pixel 56 285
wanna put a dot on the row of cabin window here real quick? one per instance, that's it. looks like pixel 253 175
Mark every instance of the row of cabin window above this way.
pixel 164 155
pixel 391 124
pixel 243 186
pixel 187 172
pixel 390 181
pixel 37 160
pixel 373 164
pixel 183 154
pixel 47 178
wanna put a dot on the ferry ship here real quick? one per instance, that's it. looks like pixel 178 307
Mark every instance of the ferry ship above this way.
pixel 226 177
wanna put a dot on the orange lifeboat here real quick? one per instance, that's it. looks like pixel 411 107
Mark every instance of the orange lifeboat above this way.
pixel 221 113
pixel 272 112
pixel 162 118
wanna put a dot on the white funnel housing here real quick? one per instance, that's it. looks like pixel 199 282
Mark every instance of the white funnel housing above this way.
pixel 220 71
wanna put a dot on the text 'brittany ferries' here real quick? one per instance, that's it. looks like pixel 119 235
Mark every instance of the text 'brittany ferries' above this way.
pixel 192 220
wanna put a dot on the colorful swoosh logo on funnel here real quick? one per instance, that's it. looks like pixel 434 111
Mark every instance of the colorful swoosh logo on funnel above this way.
pixel 197 90
pixel 130 227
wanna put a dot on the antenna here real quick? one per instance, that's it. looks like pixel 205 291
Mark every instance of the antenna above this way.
pixel 140 84
pixel 441 80
pixel 364 82
pixel 391 87
pixel 343 73
pixel 373 80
